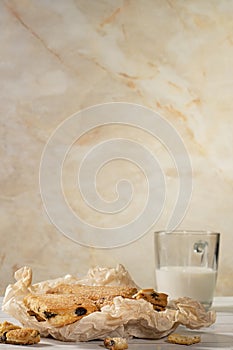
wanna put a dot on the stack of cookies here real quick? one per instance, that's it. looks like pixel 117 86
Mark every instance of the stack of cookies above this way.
pixel 68 303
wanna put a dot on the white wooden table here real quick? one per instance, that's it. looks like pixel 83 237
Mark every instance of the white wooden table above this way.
pixel 218 336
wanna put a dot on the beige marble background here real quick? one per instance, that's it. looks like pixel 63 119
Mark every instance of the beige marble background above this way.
pixel 57 57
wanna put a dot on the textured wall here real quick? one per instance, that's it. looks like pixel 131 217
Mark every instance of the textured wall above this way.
pixel 58 57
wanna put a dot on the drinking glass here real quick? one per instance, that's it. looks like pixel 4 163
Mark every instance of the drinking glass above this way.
pixel 187 264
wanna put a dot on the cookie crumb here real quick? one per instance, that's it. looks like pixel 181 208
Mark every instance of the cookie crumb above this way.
pixel 177 338
pixel 115 343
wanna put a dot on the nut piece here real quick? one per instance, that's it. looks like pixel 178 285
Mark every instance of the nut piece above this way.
pixel 115 343
pixel 176 338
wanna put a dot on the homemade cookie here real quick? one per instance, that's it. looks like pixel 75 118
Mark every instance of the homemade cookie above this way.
pixel 159 300
pixel 115 343
pixel 7 326
pixel 58 310
pixel 176 338
pixel 101 295
pixel 12 334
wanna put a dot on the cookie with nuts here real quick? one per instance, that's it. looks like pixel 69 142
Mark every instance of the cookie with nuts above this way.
pixel 13 334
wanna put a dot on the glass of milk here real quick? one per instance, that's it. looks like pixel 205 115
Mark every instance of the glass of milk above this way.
pixel 187 264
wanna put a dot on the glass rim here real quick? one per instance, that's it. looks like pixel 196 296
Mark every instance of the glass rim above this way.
pixel 184 232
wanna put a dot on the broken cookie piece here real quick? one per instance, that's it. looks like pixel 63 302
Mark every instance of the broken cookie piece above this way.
pixel 12 334
pixel 7 326
pixel 101 295
pixel 158 300
pixel 176 338
pixel 58 310
pixel 115 343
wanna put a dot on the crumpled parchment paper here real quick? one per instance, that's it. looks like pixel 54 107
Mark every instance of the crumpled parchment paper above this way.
pixel 124 318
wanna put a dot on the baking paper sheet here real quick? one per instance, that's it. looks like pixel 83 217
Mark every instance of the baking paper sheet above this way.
pixel 124 318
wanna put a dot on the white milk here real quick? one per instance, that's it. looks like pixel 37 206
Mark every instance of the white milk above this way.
pixel 192 281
